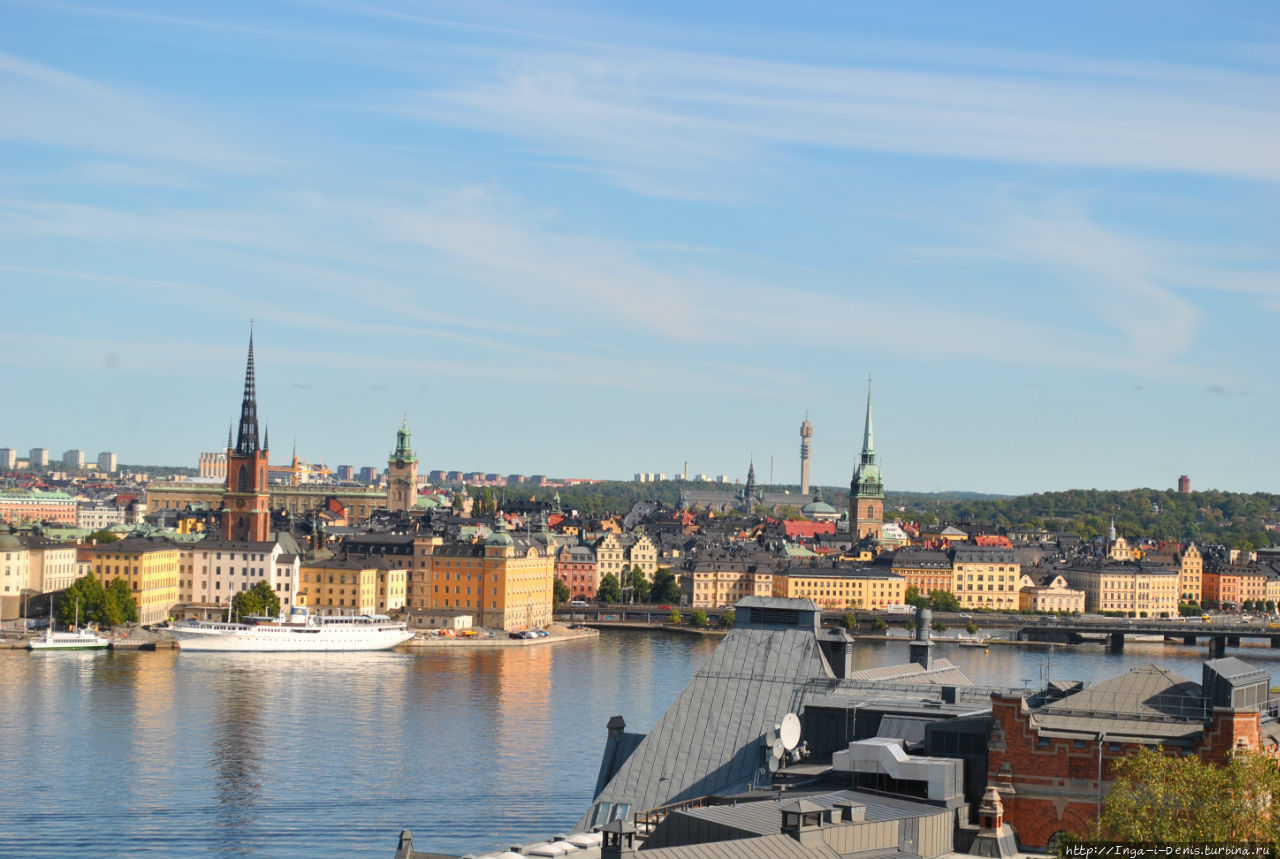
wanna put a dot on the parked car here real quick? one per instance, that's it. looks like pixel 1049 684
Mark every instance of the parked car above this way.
pixel 578 603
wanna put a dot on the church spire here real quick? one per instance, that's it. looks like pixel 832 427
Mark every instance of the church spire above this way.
pixel 247 440
pixel 868 437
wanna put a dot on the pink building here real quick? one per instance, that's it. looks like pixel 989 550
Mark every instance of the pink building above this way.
pixel 32 505
pixel 576 566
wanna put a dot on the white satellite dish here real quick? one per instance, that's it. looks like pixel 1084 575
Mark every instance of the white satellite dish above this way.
pixel 778 750
pixel 771 737
pixel 773 765
pixel 789 733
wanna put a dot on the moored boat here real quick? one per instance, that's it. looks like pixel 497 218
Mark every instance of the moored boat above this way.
pixel 81 639
pixel 300 632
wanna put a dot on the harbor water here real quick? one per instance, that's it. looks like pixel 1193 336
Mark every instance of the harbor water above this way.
pixel 171 754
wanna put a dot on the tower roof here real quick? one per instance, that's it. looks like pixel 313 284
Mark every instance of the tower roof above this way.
pixel 247 440
pixel 868 437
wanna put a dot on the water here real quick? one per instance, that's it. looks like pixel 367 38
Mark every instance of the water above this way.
pixel 171 754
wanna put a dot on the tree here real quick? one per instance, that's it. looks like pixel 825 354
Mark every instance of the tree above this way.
pixel 1158 797
pixel 119 593
pixel 560 592
pixel 1248 605
pixel 878 625
pixel 727 618
pixel 103 536
pixel 459 502
pixel 971 628
pixel 610 589
pixel 909 626
pixel 666 588
pixel 88 600
pixel 699 619
pixel 674 617
pixel 943 601
pixel 849 620
pixel 260 600
pixel 639 585
pixel 914 597
pixel 939 626
pixel 1271 606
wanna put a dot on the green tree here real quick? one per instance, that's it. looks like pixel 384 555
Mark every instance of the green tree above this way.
pixel 666 587
pixel 1157 797
pixel 698 619
pixel 639 585
pixel 610 589
pixel 914 597
pixel 1271 606
pixel 939 626
pixel 459 502
pixel 118 593
pixel 849 620
pixel 82 601
pixel 879 625
pixel 909 626
pixel 260 600
pixel 727 618
pixel 103 536
pixel 560 592
pixel 943 601
pixel 971 628
pixel 674 617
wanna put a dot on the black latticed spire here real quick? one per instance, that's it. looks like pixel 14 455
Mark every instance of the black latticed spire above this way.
pixel 247 441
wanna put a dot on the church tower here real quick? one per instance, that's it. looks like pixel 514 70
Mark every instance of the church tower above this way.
pixel 246 511
pixel 749 500
pixel 402 488
pixel 806 440
pixel 866 492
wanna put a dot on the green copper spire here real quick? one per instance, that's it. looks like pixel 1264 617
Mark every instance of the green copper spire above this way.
pixel 404 449
pixel 866 476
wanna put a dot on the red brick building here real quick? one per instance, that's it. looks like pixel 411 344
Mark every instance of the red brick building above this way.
pixel 577 567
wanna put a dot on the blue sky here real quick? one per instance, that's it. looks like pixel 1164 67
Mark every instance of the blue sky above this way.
pixel 592 239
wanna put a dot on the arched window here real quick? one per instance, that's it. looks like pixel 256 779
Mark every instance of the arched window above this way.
pixel 242 482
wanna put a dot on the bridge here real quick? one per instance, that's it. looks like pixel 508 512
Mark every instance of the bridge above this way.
pixel 1218 635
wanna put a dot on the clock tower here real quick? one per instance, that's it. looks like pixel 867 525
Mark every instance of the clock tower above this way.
pixel 402 467
pixel 246 514
pixel 866 492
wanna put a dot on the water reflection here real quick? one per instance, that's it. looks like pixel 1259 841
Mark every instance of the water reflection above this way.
pixel 238 750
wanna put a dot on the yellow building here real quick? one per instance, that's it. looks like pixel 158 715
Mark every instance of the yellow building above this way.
pixel 1190 573
pixel 359 502
pixel 504 582
pixel 868 588
pixel 1129 588
pixel 985 577
pixel 15 579
pixel 342 586
pixel 1049 592
pixel 611 556
pixel 717 585
pixel 149 565
pixel 926 570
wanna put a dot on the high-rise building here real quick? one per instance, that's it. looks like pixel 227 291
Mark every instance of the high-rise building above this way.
pixel 73 459
pixel 402 470
pixel 806 442
pixel 107 462
pixel 246 514
pixel 866 492
pixel 1184 484
pixel 39 457
pixel 368 474
pixel 8 457
pixel 346 472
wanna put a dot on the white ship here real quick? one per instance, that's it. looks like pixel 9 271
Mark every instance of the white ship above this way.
pixel 80 640
pixel 300 633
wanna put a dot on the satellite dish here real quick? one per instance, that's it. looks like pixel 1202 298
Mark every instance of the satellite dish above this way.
pixel 790 732
pixel 771 738
pixel 773 765
pixel 778 750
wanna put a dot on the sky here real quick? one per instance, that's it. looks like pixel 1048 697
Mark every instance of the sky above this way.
pixel 593 239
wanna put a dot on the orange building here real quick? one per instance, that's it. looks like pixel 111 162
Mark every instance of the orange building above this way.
pixel 505 582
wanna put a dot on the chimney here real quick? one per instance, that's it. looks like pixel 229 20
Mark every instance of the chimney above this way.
pixel 619 839
pixel 921 648
pixel 615 727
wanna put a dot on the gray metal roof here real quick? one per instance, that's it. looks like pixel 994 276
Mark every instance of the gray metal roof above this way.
pixel 1147 702
pixel 777 602
pixel 764 847
pixel 709 740
pixel 1229 666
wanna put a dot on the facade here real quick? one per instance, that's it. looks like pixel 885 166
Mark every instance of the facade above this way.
pixel 1049 593
pixel 97 515
pixel 211 572
pixel 866 492
pixel 408 552
pixel 107 462
pixel 806 444
pixel 985 577
pixel 867 588
pixel 1184 484
pixel 926 570
pixel 402 470
pixel 15 575
pixel 8 458
pixel 1190 573
pixel 1129 588
pixel 504 582
pixel 246 514
pixel 213 465
pixel 347 586
pixel 1231 585
pixel 39 457
pixel 52 564
pixel 717 583
pixel 611 557
pixel 34 505
pixel 150 567
pixel 182 495
pixel 73 460
pixel 576 566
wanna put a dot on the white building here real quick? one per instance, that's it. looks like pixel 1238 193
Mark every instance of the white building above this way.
pixel 8 458
pixel 96 515
pixel 213 571
pixel 14 575
pixel 52 565
pixel 73 459
pixel 107 462
pixel 39 457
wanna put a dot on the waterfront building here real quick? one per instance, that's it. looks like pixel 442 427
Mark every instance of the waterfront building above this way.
pixel 1190 563
pixel 806 445
pixel 866 491
pixel 402 471
pixel 35 505
pixel 38 457
pixel 718 578
pixel 1131 588
pixel 213 571
pixel 1048 591
pixel 8 458
pixel 926 570
pixel 576 566
pixel 246 514
pixel 985 577
pixel 52 564
pixel 503 582
pixel 107 462
pixel 150 567
pixel 839 587
pixel 16 578
pixel 349 586
pixel 408 552
pixel 1231 585
pixel 73 460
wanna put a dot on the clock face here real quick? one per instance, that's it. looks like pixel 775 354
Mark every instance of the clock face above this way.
pixel 240 502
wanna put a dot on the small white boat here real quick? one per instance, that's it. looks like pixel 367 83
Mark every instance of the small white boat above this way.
pixel 81 639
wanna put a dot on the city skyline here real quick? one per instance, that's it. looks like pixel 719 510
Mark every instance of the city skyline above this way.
pixel 590 242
